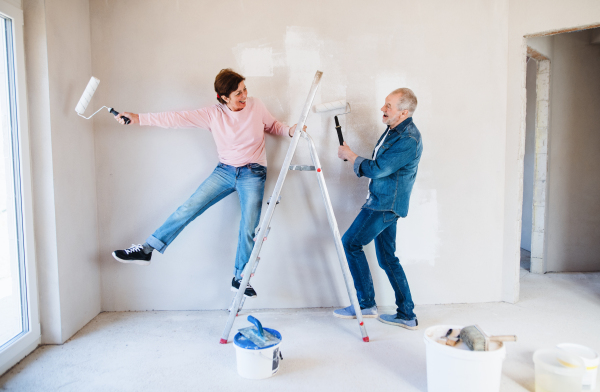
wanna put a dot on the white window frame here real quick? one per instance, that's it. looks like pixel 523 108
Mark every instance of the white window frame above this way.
pixel 27 341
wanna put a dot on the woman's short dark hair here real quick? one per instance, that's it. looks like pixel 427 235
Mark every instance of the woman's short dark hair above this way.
pixel 226 82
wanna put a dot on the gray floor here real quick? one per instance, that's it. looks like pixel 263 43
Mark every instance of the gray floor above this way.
pixel 179 351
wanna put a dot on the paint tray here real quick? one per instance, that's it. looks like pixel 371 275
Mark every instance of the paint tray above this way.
pixel 258 335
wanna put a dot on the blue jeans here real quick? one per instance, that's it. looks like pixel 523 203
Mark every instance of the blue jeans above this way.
pixel 248 181
pixel 380 226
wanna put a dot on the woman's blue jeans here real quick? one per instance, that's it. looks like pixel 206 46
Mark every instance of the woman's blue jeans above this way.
pixel 380 226
pixel 248 181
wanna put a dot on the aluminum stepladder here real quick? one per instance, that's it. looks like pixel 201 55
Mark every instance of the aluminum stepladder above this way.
pixel 261 235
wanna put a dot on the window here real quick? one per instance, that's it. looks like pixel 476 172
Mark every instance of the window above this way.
pixel 19 327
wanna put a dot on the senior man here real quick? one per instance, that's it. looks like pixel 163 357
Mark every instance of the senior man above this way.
pixel 391 170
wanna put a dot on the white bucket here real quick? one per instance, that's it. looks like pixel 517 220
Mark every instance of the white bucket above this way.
pixel 458 369
pixel 557 370
pixel 254 362
pixel 590 359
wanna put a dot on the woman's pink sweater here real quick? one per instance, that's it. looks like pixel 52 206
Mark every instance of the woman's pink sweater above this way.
pixel 240 136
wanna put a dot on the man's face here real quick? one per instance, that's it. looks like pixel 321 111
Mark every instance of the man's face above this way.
pixel 391 115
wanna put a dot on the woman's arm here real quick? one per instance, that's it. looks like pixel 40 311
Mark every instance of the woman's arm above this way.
pixel 199 118
pixel 271 124
pixel 189 119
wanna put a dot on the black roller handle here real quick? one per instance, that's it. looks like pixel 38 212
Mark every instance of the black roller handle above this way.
pixel 338 128
pixel 115 113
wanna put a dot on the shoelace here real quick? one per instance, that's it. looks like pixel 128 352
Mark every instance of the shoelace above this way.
pixel 134 248
pixel 247 286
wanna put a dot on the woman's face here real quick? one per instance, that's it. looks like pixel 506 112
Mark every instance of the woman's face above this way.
pixel 237 99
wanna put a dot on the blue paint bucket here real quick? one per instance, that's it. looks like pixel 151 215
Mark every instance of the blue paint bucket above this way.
pixel 257 362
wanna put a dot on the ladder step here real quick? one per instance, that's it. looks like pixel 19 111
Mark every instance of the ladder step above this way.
pixel 302 167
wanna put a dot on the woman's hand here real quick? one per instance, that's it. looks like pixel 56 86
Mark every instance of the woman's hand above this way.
pixel 135 118
pixel 293 129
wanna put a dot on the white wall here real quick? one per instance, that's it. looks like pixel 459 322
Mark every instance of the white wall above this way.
pixel 529 158
pixel 163 55
pixel 58 57
pixel 574 157
pixel 527 17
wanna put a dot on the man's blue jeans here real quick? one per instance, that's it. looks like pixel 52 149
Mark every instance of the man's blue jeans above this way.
pixel 380 226
pixel 248 181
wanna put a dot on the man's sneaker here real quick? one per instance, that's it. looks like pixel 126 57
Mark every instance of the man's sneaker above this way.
pixel 134 255
pixel 348 313
pixel 394 319
pixel 249 292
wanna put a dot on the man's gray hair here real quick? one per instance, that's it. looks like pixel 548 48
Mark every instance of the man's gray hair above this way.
pixel 408 100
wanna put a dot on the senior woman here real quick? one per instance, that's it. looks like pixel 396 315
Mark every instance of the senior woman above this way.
pixel 238 124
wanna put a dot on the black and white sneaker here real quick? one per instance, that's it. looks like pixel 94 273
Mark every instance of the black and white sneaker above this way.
pixel 134 255
pixel 249 292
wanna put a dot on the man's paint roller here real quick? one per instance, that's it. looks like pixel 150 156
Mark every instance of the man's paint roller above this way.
pixel 86 98
pixel 335 105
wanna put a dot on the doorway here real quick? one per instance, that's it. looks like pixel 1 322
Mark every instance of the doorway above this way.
pixel 535 162
pixel 561 185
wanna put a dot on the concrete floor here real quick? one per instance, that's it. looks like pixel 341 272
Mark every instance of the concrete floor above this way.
pixel 179 351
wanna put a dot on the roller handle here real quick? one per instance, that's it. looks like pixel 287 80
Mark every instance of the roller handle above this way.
pixel 338 128
pixel 259 326
pixel 503 338
pixel 115 113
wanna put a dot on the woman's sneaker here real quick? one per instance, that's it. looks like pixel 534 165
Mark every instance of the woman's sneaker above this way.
pixel 249 292
pixel 134 255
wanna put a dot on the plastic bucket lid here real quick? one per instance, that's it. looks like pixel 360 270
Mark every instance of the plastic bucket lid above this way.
pixel 245 343
pixel 590 357
pixel 559 362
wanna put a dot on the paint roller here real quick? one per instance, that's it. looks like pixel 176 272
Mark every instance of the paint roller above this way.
pixel 86 98
pixel 335 105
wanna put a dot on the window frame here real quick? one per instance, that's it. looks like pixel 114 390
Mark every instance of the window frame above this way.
pixel 27 341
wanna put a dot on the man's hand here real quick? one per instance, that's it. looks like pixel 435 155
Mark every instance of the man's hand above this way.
pixel 344 152
pixel 135 119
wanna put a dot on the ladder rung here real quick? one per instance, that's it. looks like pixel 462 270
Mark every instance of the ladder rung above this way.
pixel 302 167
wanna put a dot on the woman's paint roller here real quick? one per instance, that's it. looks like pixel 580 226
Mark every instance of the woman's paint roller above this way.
pixel 86 98
pixel 335 105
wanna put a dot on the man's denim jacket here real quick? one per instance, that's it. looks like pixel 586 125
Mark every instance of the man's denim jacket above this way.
pixel 393 170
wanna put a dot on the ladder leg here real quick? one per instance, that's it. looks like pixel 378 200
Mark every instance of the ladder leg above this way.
pixel 338 239
pixel 241 306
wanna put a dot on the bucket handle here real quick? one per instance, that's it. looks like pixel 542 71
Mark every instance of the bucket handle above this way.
pixel 254 321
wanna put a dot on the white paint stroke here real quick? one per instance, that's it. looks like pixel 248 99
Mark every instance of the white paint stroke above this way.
pixel 303 59
pixel 417 238
pixel 254 61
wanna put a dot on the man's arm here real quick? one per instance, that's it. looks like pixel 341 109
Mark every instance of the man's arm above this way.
pixel 388 162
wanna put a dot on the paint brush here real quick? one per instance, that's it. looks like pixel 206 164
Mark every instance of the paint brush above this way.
pixel 444 339
pixel 477 340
